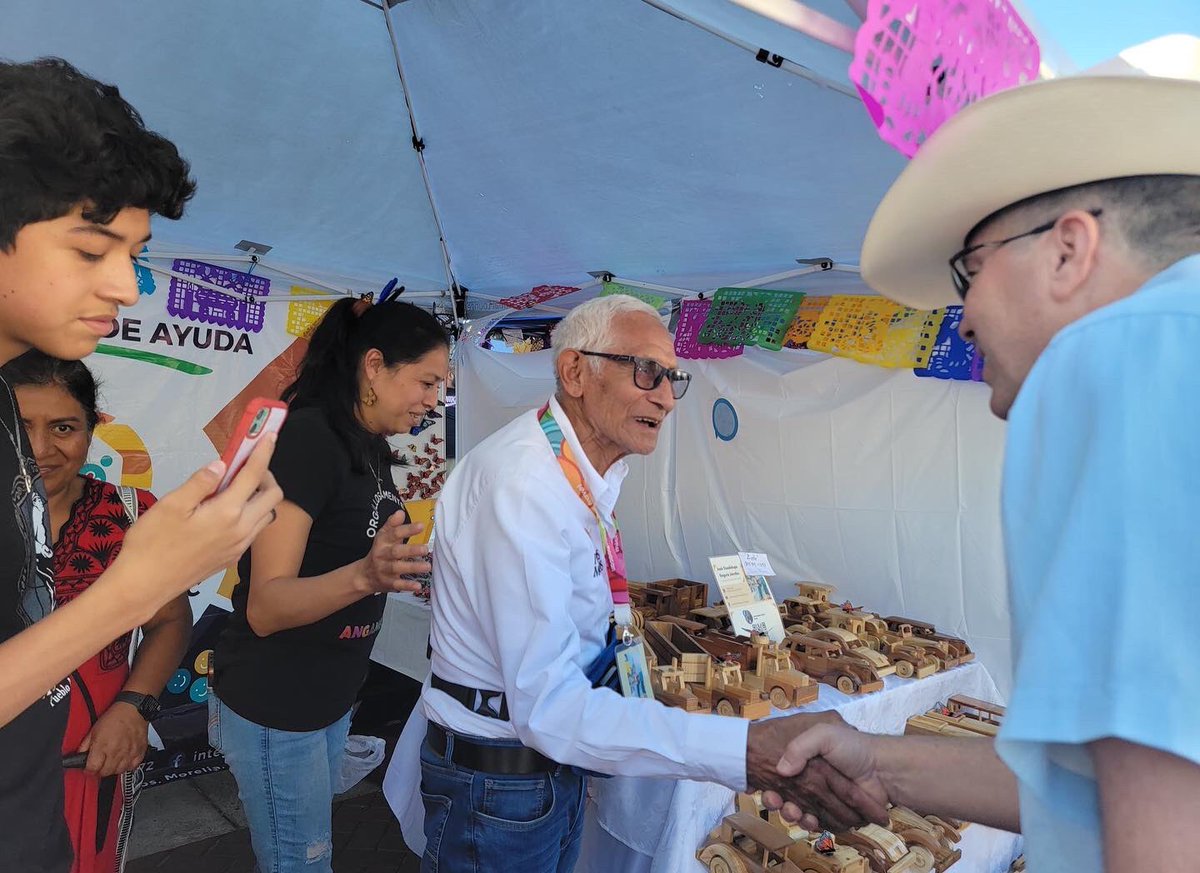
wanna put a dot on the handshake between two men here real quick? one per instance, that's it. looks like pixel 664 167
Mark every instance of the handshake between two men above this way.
pixel 824 774
pixel 784 760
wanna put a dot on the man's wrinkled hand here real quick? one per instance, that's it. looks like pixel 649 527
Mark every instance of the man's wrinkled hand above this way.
pixel 822 794
pixel 837 747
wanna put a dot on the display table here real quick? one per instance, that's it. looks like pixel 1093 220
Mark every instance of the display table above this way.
pixel 657 825
pixel 404 636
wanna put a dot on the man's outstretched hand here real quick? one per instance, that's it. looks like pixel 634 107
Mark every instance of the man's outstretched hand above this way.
pixel 818 793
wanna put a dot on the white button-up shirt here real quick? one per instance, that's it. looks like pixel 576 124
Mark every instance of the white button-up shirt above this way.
pixel 521 603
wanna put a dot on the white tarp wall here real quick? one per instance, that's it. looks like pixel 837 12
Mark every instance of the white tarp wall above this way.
pixel 870 479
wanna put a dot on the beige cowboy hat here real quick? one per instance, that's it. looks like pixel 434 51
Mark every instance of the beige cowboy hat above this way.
pixel 1015 144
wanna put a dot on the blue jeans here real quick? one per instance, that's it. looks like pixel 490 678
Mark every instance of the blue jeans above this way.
pixel 285 781
pixel 481 823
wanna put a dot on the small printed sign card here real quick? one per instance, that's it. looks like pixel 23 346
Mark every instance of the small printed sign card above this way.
pixel 748 598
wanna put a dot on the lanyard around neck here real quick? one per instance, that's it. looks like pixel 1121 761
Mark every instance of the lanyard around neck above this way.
pixel 614 554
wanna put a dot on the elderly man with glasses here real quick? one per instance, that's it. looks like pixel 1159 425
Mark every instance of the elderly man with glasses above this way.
pixel 530 609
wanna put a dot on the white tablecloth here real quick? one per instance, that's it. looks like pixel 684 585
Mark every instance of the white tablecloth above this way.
pixel 404 636
pixel 656 825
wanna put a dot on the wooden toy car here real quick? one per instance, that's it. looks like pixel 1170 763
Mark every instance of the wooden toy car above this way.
pixel 826 663
pixel 746 844
pixel 724 692
pixel 935 835
pixel 803 852
pixel 811 599
pixel 886 852
pixel 774 677
pixel 816 591
pixel 854 647
pixel 958 646
pixel 905 651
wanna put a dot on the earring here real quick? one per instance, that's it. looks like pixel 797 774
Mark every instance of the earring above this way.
pixel 371 397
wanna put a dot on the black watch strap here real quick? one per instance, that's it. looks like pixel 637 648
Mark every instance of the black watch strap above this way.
pixel 147 705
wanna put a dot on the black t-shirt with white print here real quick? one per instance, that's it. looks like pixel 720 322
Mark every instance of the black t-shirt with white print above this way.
pixel 306 678
pixel 33 832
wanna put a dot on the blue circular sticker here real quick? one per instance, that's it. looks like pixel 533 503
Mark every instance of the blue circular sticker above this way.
pixel 179 682
pixel 724 419
pixel 199 692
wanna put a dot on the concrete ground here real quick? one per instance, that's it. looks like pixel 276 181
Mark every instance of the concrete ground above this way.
pixel 197 826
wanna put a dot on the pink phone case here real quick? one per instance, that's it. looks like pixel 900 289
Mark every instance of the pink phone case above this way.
pixel 261 417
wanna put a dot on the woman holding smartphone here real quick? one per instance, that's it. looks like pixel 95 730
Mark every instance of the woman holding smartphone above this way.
pixel 291 660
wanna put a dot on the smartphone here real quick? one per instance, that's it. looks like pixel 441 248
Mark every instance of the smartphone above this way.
pixel 262 416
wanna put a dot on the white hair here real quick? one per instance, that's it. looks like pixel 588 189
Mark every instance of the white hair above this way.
pixel 590 325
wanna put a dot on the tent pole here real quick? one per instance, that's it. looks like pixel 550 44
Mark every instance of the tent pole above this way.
pixel 664 289
pixel 763 54
pixel 207 257
pixel 300 277
pixel 777 277
pixel 419 147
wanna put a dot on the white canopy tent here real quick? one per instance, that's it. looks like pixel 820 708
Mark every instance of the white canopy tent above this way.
pixel 566 136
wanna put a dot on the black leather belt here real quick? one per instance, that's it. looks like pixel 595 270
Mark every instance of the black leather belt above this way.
pixel 500 760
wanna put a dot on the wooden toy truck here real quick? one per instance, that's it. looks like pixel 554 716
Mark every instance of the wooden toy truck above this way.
pixel 670 687
pixel 724 692
pixel 775 679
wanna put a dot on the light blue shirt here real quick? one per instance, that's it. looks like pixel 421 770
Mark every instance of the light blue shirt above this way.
pixel 1101 506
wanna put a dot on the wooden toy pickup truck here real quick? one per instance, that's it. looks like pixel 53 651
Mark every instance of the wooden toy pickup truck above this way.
pixel 774 677
pixel 724 692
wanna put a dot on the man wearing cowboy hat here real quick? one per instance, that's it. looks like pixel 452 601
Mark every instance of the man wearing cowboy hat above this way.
pixel 1069 212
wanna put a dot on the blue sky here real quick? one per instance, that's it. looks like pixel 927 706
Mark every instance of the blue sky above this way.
pixel 1092 31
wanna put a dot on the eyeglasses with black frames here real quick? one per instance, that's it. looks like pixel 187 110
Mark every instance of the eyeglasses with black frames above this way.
pixel 649 373
pixel 958 264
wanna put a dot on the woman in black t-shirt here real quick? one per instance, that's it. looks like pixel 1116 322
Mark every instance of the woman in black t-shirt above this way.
pixel 294 653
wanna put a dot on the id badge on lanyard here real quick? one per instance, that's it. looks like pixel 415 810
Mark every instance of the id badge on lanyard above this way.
pixel 633 671
pixel 630 652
